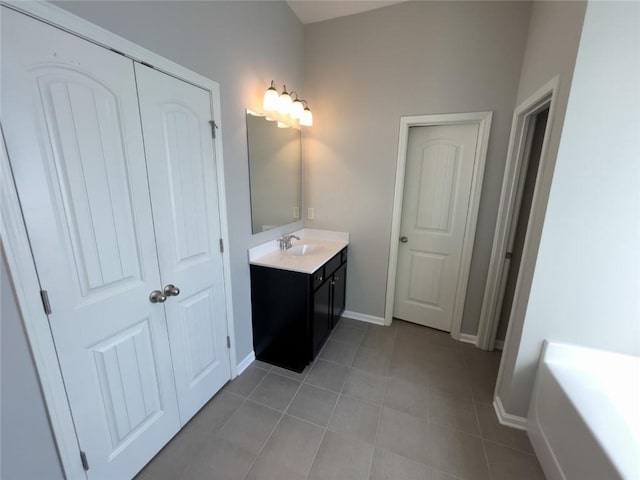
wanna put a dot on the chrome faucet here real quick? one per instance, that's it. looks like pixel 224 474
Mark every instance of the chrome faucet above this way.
pixel 285 241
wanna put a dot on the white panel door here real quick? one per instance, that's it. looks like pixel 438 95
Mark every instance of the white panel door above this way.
pixel 182 178
pixel 438 179
pixel 72 126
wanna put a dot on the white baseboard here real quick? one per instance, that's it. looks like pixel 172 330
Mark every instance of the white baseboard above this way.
pixel 467 338
pixel 513 421
pixel 363 317
pixel 498 344
pixel 245 362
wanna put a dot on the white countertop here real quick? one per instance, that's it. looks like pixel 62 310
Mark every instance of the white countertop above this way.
pixel 327 245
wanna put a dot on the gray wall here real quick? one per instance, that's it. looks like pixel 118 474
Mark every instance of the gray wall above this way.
pixel 552 47
pixel 365 71
pixel 242 46
pixel 587 276
pixel 28 450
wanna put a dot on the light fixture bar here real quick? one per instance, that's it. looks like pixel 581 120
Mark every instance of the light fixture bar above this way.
pixel 286 104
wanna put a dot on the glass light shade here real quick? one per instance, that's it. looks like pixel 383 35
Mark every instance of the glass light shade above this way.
pixel 271 99
pixel 307 118
pixel 297 109
pixel 284 102
pixel 282 125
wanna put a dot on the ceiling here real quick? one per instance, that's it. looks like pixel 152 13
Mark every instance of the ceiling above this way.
pixel 311 11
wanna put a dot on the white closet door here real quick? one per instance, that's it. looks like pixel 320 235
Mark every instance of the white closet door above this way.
pixel 72 126
pixel 182 178
pixel 437 188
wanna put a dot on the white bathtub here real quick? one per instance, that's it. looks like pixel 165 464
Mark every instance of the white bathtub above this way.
pixel 584 417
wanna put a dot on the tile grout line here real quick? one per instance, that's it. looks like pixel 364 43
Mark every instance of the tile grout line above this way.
pixel 475 411
pixel 282 414
pixel 510 447
pixel 350 369
pixel 305 420
pixel 467 372
pixel 333 410
pixel 245 399
pixel 324 434
pixel 264 444
pixel 328 389
pixel 386 386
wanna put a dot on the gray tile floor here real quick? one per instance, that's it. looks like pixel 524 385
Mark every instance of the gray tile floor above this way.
pixel 403 402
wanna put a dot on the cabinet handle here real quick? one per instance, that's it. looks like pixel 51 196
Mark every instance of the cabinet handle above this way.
pixel 333 282
pixel 336 278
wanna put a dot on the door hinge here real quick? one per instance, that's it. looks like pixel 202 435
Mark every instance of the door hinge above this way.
pixel 214 126
pixel 45 301
pixel 83 459
pixel 508 255
pixel 221 246
pixel 228 342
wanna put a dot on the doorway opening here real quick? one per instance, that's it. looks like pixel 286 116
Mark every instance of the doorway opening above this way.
pixel 526 162
pixel 513 257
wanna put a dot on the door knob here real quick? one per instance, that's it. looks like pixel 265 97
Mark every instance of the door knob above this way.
pixel 157 297
pixel 404 239
pixel 171 290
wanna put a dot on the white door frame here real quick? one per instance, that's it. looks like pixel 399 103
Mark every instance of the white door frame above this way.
pixel 483 120
pixel 15 241
pixel 517 152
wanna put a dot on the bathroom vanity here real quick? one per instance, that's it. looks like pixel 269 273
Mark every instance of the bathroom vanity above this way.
pixel 297 296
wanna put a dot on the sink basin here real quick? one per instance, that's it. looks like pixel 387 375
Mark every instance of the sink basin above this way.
pixel 300 250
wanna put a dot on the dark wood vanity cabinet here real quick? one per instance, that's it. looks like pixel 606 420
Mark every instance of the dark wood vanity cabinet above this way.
pixel 293 313
pixel 321 317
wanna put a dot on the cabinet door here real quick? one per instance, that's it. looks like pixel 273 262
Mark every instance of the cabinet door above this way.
pixel 339 291
pixel 72 126
pixel 321 316
pixel 182 178
pixel 280 309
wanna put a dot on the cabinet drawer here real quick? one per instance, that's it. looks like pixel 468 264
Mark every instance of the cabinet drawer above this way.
pixel 318 277
pixel 333 264
pixel 343 255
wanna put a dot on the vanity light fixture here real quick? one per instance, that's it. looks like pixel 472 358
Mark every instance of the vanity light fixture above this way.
pixel 297 108
pixel 285 102
pixel 271 99
pixel 306 119
pixel 284 105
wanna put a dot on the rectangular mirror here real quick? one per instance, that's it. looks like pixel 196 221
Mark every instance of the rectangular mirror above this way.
pixel 275 173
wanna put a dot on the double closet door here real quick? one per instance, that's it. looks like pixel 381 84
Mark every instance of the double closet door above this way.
pixel 115 170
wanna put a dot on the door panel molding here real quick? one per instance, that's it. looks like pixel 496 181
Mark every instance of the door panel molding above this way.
pixel 483 120
pixel 15 242
pixel 181 172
